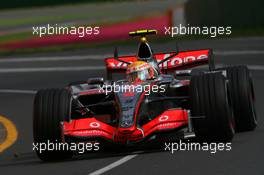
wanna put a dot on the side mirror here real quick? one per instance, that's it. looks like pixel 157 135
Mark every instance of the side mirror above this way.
pixel 98 80
pixel 187 72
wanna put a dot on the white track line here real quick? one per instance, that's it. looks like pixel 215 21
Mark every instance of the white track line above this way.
pixel 255 67
pixel 113 165
pixel 101 57
pixel 57 58
pixel 50 69
pixel 241 52
pixel 251 67
pixel 79 68
pixel 17 91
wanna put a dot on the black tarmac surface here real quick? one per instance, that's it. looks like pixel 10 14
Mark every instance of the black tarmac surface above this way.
pixel 246 156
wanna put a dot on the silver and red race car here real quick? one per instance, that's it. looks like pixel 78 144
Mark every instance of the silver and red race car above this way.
pixel 208 104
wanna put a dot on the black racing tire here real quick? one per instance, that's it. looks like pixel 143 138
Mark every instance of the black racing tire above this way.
pixel 51 108
pixel 243 97
pixel 211 111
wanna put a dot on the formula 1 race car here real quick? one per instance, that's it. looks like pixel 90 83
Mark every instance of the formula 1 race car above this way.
pixel 208 104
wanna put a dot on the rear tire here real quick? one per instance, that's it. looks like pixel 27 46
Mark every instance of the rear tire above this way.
pixel 51 108
pixel 210 103
pixel 242 93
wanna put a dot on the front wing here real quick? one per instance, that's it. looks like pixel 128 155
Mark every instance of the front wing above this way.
pixel 91 128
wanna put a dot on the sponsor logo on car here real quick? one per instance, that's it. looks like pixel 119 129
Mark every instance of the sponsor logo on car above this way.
pixel 178 60
pixel 163 118
pixel 94 124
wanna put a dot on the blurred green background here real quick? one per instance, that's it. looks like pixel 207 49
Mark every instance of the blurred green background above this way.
pixel 18 16
pixel 240 14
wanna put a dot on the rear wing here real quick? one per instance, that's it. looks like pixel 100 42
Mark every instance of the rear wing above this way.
pixel 182 60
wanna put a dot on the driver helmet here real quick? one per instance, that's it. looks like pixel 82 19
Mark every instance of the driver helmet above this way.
pixel 140 71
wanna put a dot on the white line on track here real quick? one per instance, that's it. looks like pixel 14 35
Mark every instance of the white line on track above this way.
pixel 79 68
pixel 240 52
pixel 50 69
pixel 57 58
pixel 17 91
pixel 101 57
pixel 255 67
pixel 251 67
pixel 113 165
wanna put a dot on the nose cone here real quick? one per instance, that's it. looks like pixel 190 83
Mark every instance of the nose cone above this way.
pixel 126 135
pixel 127 130
pixel 127 106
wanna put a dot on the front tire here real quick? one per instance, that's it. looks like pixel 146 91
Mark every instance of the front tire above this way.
pixel 210 108
pixel 51 108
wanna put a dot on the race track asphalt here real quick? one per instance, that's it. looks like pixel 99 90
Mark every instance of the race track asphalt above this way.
pixel 246 156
